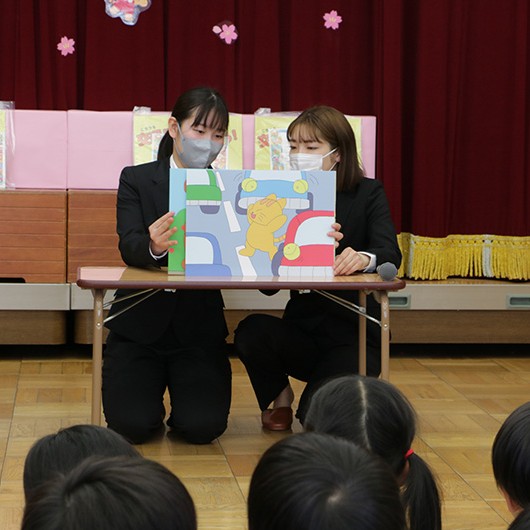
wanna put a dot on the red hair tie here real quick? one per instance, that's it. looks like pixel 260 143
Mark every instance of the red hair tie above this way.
pixel 408 453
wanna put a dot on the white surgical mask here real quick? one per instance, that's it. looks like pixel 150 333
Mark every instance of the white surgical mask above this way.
pixel 308 161
pixel 197 153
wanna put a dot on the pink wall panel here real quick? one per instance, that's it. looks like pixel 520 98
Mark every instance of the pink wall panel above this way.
pixel 99 147
pixel 40 155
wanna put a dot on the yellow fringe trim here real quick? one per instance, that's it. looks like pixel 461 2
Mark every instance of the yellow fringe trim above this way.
pixel 404 245
pixel 429 258
pixel 510 257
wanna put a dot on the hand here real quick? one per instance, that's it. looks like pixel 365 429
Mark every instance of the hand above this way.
pixel 350 261
pixel 336 234
pixel 160 232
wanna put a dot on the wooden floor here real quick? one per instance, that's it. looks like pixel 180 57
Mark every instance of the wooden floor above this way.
pixel 461 400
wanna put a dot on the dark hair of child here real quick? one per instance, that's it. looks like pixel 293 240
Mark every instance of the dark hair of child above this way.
pixel 510 458
pixel 375 415
pixel 313 481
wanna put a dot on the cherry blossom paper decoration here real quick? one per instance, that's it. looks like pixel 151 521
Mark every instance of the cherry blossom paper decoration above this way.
pixel 332 20
pixel 127 10
pixel 226 31
pixel 66 46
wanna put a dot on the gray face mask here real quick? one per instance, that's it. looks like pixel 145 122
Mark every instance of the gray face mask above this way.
pixel 197 153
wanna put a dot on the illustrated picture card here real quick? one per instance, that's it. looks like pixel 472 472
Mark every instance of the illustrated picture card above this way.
pixel 256 222
pixel 177 204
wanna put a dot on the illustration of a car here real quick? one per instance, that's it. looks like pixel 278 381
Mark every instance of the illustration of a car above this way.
pixel 307 249
pixel 293 187
pixel 203 256
pixel 202 190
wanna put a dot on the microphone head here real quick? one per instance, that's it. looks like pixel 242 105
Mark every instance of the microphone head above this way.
pixel 387 271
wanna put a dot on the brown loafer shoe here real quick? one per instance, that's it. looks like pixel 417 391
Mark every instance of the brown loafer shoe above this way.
pixel 279 419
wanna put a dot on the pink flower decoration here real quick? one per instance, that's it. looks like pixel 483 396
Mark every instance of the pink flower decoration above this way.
pixel 332 20
pixel 226 32
pixel 66 46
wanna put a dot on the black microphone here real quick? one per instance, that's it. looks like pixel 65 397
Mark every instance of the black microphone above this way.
pixel 387 271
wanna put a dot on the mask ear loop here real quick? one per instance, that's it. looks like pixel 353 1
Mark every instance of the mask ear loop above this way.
pixel 182 140
pixel 224 148
pixel 335 163
pixel 226 142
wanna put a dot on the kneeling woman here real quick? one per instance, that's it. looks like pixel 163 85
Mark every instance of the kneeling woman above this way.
pixel 317 338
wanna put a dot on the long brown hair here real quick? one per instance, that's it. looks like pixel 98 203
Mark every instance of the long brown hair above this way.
pixel 327 124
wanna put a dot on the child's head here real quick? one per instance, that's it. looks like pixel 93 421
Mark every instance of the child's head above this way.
pixel 368 411
pixel 60 452
pixel 313 481
pixel 375 415
pixel 109 493
pixel 326 124
pixel 511 459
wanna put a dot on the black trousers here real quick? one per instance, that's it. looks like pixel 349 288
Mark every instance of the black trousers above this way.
pixel 135 377
pixel 273 348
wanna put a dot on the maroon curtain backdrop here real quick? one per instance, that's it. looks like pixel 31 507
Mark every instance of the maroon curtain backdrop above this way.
pixel 447 80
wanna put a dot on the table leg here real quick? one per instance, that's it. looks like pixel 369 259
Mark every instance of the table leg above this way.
pixel 385 336
pixel 362 335
pixel 97 355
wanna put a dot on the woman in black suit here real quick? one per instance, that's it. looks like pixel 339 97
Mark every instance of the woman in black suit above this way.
pixel 316 338
pixel 173 340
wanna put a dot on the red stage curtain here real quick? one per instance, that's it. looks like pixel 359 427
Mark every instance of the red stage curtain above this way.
pixel 447 80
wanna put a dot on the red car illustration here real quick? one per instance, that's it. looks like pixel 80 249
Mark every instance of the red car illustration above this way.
pixel 307 249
